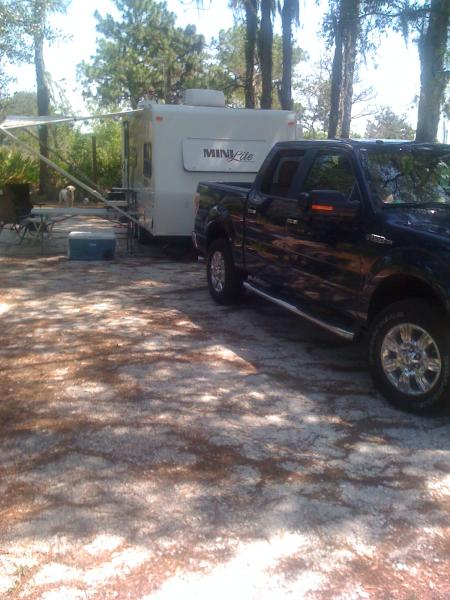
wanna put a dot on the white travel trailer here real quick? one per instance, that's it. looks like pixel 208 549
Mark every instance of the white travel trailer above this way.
pixel 168 149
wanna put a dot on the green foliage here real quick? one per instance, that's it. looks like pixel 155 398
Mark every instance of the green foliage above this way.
pixel 15 167
pixel 227 67
pixel 388 125
pixel 142 55
pixel 20 103
pixel 11 50
pixel 71 148
pixel 109 152
pixel 30 27
pixel 18 27
pixel 314 135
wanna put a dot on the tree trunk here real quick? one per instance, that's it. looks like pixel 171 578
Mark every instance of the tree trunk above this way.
pixel 433 77
pixel 286 78
pixel 251 23
pixel 265 52
pixel 43 104
pixel 336 82
pixel 351 34
pixel 346 34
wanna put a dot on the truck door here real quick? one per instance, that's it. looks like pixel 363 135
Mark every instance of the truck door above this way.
pixel 269 207
pixel 324 250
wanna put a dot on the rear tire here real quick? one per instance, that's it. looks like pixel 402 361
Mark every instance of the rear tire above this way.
pixel 224 281
pixel 409 356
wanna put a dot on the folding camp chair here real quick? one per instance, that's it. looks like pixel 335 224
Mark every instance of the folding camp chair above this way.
pixel 15 211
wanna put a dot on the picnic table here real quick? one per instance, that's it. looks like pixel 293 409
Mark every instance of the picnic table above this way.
pixel 44 218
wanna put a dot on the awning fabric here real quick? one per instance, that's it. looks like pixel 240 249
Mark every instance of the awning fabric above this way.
pixel 22 121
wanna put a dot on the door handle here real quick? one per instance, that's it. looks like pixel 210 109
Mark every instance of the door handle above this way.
pixel 251 211
pixel 292 221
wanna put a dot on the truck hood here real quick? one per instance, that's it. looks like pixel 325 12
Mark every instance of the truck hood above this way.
pixel 429 221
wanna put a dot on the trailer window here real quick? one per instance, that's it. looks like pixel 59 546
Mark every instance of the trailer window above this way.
pixel 148 160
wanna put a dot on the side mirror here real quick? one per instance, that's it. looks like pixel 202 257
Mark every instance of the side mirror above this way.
pixel 331 204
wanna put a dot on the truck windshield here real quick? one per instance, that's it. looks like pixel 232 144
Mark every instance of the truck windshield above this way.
pixel 408 177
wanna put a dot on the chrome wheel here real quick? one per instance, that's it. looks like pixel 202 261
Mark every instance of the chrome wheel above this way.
pixel 217 270
pixel 410 359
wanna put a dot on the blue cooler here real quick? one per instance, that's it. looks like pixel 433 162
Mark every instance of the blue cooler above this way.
pixel 92 245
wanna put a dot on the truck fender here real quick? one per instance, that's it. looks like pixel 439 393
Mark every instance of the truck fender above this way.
pixel 218 224
pixel 410 264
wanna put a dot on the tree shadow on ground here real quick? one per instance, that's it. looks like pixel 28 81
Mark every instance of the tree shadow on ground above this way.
pixel 133 407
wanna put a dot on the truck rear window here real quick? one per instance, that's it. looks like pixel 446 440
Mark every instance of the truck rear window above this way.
pixel 281 172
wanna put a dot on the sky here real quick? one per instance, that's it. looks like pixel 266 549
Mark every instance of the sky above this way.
pixel 395 77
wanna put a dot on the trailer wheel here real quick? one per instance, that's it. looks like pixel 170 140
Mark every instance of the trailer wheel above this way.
pixel 224 281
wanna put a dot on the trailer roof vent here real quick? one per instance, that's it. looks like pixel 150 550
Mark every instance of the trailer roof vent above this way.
pixel 204 98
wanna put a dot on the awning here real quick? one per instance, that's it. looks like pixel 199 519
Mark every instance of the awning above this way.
pixel 22 121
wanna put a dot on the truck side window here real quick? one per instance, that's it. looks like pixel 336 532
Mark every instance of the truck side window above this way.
pixel 281 173
pixel 331 171
pixel 148 160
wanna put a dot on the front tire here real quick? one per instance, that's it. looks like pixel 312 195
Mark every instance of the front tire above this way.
pixel 224 281
pixel 409 356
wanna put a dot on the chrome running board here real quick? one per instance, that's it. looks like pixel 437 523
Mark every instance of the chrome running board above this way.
pixel 343 333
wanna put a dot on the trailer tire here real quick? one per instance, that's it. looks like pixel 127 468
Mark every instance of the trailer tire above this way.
pixel 224 280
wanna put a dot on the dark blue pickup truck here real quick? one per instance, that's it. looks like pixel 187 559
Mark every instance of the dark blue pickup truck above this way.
pixel 354 236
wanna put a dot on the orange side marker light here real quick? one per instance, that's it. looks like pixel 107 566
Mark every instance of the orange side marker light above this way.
pixel 322 207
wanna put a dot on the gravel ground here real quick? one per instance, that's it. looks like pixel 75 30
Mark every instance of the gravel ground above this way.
pixel 157 446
